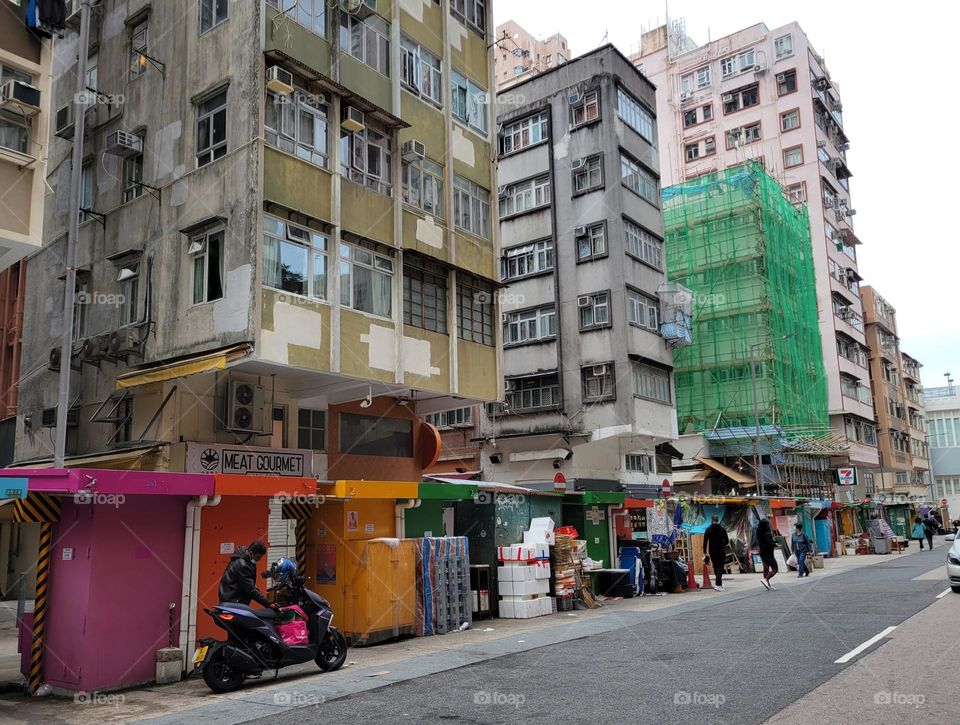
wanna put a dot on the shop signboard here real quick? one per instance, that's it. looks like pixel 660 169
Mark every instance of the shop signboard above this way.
pixel 248 460
pixel 847 476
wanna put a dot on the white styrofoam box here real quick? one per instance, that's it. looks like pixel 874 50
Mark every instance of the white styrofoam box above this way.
pixel 522 588
pixel 522 552
pixel 527 609
pixel 546 605
pixel 507 609
pixel 541 522
pixel 539 536
pixel 539 550
pixel 541 572
pixel 516 573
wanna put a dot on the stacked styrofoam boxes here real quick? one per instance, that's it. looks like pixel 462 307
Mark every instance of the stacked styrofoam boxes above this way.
pixel 523 581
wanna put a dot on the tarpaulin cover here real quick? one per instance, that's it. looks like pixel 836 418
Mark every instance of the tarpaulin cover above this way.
pixel 444 600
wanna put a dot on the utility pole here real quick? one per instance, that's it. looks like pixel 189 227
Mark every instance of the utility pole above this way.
pixel 756 421
pixel 70 253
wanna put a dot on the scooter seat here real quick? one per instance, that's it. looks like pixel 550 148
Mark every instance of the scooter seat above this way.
pixel 261 613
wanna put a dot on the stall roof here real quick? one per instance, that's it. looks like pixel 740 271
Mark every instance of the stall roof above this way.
pixel 248 485
pixel 113 481
pixel 726 471
pixel 498 487
pixel 443 491
pixel 615 498
pixel 369 489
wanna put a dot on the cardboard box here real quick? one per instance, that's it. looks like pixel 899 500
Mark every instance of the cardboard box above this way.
pixel 523 588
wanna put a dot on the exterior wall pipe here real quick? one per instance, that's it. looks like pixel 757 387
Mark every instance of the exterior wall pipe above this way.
pixel 191 572
pixel 400 528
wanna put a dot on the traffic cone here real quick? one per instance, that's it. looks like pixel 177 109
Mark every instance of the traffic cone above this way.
pixel 691 577
pixel 706 577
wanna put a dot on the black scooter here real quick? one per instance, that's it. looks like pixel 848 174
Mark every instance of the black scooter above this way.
pixel 254 645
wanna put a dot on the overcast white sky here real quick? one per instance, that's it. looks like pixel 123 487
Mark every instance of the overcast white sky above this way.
pixel 893 65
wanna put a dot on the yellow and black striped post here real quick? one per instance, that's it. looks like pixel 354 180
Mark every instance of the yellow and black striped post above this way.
pixel 45 510
pixel 301 512
pixel 301 530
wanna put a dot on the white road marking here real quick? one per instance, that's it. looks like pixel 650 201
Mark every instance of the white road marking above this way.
pixel 860 648
pixel 942 594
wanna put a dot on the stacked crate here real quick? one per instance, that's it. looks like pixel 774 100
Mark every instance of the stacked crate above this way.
pixel 443 585
pixel 523 581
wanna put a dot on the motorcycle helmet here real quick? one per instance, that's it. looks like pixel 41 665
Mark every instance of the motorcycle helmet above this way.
pixel 285 571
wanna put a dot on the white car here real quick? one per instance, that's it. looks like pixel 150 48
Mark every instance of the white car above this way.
pixel 953 562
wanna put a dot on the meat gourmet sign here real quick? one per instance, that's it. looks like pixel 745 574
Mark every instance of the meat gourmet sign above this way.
pixel 213 458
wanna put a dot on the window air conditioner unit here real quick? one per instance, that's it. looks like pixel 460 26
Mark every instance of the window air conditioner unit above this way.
pixel 579 231
pixel 727 98
pixel 125 342
pixel 510 385
pixel 279 80
pixel 361 8
pixel 759 69
pixel 413 150
pixel 583 301
pixel 19 97
pixel 843 145
pixel 122 143
pixel 576 164
pixel 850 212
pixel 821 144
pixel 599 370
pixel 574 98
pixel 63 123
pixel 48 418
pixel 504 318
pixel 502 190
pixel 352 120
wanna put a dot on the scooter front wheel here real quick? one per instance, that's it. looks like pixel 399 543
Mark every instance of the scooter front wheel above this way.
pixel 333 651
pixel 220 676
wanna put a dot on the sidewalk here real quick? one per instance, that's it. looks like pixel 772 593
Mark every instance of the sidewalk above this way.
pixel 373 667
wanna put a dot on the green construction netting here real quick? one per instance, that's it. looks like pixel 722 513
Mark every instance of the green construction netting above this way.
pixel 744 250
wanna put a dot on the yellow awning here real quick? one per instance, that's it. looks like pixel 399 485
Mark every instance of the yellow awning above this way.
pixel 124 458
pixel 216 360
pixel 727 471
pixel 369 489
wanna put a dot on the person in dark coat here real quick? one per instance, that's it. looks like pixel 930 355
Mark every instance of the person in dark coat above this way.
pixel 715 540
pixel 766 546
pixel 929 529
pixel 802 547
pixel 238 584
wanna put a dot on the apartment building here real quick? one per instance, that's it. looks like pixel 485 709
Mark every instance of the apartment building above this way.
pixel 588 373
pixel 898 402
pixel 287 238
pixel 942 404
pixel 766 95
pixel 520 54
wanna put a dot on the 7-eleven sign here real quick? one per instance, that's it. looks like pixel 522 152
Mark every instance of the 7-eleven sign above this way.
pixel 847 476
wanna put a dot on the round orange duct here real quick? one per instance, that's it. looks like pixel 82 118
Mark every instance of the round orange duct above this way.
pixel 430 445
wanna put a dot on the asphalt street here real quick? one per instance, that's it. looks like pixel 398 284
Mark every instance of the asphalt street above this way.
pixel 743 659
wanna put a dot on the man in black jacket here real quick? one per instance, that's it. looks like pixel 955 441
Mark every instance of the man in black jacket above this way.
pixel 239 581
pixel 715 540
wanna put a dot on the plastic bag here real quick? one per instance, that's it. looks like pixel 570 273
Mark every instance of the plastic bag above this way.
pixel 792 561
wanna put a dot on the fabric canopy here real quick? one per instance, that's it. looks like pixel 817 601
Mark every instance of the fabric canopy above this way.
pixel 727 471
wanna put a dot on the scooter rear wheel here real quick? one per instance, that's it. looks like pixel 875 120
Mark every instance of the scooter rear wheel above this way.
pixel 220 676
pixel 333 651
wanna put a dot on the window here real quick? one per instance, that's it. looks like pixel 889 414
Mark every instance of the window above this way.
pixel 527 132
pixel 589 175
pixel 423 185
pixel 457 418
pixel 786 82
pixel 640 181
pixel 634 114
pixel 639 463
pixel 93 60
pixel 700 149
pixel 294 258
pixel 643 245
pixel 14 126
pixel 594 310
pixel 518 70
pixel 473 13
pixel 587 110
pixel 790 120
pixel 822 154
pixel 424 294
pixel 297 124
pixel 797 193
pixel 686 84
pixel 366 435
pixel 527 259
pixel 138 45
pixel 365 158
pixel 530 326
pixel 533 391
pixel 366 40
pixel 308 13
pixel 366 280
pixel 207 252
pixel 703 76
pixel 651 382
pixel 697 115
pixel 526 195
pixel 793 156
pixel 312 429
pixel 471 207
pixel 420 71
pixel 593 242
pixel 469 102
pixel 212 129
pixel 783 46
pixel 474 309
pixel 743 135
pixel 86 191
pixel 214 12
pixel 133 175
pixel 82 305
pixel 741 98
pixel 740 63
pixel 123 415
pixel 129 282
pixel 643 310
pixel 597 383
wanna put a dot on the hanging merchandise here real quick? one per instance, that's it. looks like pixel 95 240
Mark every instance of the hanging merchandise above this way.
pixel 47 18
pixel 659 524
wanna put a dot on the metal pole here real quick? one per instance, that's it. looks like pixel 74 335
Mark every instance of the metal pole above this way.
pixel 756 422
pixel 70 253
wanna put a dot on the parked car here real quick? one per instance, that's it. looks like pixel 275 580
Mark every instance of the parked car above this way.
pixel 953 562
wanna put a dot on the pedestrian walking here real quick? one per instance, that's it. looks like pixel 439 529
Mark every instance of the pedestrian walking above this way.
pixel 801 547
pixel 715 540
pixel 918 531
pixel 766 546
pixel 929 529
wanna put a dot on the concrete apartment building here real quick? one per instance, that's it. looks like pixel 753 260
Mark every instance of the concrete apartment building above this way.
pixel 766 94
pixel 287 239
pixel 943 424
pixel 898 402
pixel 588 383
pixel 521 55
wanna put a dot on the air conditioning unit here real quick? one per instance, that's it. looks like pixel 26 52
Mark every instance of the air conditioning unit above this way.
pixel 574 98
pixel 279 80
pixel 850 212
pixel 685 96
pixel 123 342
pixel 124 144
pixel 63 123
pixel 727 98
pixel 843 145
pixel 502 190
pixel 352 120
pixel 360 8
pixel 95 348
pixel 413 150
pixel 510 385
pixel 53 359
pixel 599 370
pixel 822 83
pixel 504 317
pixel 821 144
pixel 844 313
pixel 20 97
pixel 759 69
pixel 577 164
pixel 579 231
pixel 583 301
pixel 245 407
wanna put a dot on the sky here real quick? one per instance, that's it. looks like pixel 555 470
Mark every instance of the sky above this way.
pixel 893 69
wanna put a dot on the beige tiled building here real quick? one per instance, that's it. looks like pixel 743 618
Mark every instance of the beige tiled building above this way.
pixel 520 55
